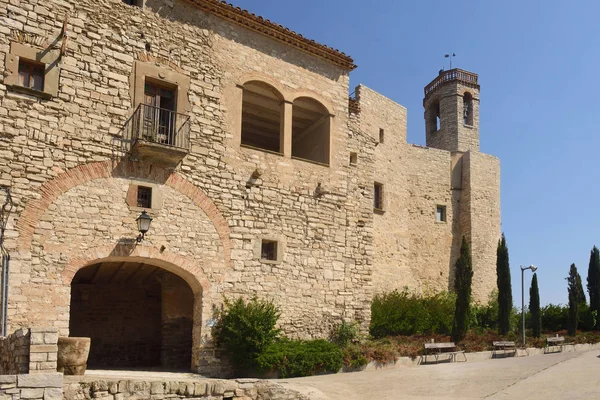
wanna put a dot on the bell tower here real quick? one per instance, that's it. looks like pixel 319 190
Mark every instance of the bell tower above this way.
pixel 452 111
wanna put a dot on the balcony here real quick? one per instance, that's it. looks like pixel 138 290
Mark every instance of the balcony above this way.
pixel 157 135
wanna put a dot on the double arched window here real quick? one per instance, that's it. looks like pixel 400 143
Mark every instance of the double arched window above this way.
pixel 265 125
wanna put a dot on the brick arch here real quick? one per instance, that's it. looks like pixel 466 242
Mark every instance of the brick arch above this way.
pixel 188 270
pixel 51 190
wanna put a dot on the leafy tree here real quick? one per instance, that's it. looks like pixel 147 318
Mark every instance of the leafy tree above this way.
pixel 462 285
pixel 505 302
pixel 593 282
pixel 574 287
pixel 534 307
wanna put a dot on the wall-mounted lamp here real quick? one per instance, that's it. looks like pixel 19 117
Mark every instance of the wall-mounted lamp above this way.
pixel 143 222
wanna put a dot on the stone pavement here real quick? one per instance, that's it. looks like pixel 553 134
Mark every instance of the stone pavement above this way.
pixel 570 375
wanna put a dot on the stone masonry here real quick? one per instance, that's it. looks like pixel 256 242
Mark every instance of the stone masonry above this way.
pixel 73 156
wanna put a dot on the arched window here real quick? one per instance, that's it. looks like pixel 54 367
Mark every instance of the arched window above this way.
pixel 261 117
pixel 310 130
pixel 434 117
pixel 468 109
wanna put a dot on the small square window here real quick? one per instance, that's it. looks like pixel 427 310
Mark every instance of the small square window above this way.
pixel 440 214
pixel 353 158
pixel 31 74
pixel 268 250
pixel 144 197
pixel 378 196
pixel 381 134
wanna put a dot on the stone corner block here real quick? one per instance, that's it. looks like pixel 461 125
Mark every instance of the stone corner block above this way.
pixel 47 380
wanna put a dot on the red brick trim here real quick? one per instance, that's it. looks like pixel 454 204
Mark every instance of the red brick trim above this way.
pixel 183 267
pixel 51 190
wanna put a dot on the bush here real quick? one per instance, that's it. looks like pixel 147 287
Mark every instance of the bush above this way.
pixel 245 330
pixel 555 317
pixel 354 356
pixel 344 333
pixel 294 358
pixel 401 313
pixel 484 317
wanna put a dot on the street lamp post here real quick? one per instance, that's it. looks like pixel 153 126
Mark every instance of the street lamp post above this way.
pixel 532 268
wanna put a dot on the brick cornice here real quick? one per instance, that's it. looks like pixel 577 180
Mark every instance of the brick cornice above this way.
pixel 51 190
pixel 265 27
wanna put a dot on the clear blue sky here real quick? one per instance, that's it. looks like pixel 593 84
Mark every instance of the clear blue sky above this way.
pixel 538 64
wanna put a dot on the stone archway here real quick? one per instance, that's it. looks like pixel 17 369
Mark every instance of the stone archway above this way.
pixel 138 314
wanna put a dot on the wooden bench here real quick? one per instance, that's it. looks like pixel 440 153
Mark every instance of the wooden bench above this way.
pixel 507 347
pixel 439 349
pixel 556 342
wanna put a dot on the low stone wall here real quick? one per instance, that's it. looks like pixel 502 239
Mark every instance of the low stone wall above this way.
pixel 32 350
pixel 32 387
pixel 14 353
pixel 213 389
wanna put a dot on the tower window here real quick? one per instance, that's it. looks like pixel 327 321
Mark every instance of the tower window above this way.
pixel 381 134
pixel 378 196
pixel 131 2
pixel 31 74
pixel 440 214
pixel 353 158
pixel 144 197
pixel 268 250
pixel 468 109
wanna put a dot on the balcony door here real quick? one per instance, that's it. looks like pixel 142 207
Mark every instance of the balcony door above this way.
pixel 159 113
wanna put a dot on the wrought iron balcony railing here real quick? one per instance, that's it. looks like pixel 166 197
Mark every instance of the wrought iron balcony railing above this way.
pixel 158 126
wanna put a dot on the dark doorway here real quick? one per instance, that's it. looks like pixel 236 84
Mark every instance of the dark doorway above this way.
pixel 137 315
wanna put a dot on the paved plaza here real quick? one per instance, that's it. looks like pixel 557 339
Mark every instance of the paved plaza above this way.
pixel 569 375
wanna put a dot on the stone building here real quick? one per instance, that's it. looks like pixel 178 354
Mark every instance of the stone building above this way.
pixel 262 178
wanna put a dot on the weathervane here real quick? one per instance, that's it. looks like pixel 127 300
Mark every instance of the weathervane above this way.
pixel 450 56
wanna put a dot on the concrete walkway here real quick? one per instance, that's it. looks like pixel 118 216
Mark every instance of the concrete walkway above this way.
pixel 573 375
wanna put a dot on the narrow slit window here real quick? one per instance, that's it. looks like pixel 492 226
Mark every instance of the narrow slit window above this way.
pixel 468 109
pixel 378 196
pixel 31 75
pixel 268 250
pixel 353 158
pixel 381 135
pixel 440 214
pixel 144 197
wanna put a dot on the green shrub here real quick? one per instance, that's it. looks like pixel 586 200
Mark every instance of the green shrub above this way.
pixel 245 330
pixel 294 358
pixel 484 317
pixel 344 333
pixel 555 317
pixel 354 356
pixel 403 313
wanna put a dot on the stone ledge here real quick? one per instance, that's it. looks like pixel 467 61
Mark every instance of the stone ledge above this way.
pixel 47 380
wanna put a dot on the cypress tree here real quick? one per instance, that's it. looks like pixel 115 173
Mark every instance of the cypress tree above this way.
pixel 462 285
pixel 534 307
pixel 505 302
pixel 593 284
pixel 574 287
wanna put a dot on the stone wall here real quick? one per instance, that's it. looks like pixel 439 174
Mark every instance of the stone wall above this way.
pixel 30 350
pixel 46 386
pixel 242 389
pixel 14 352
